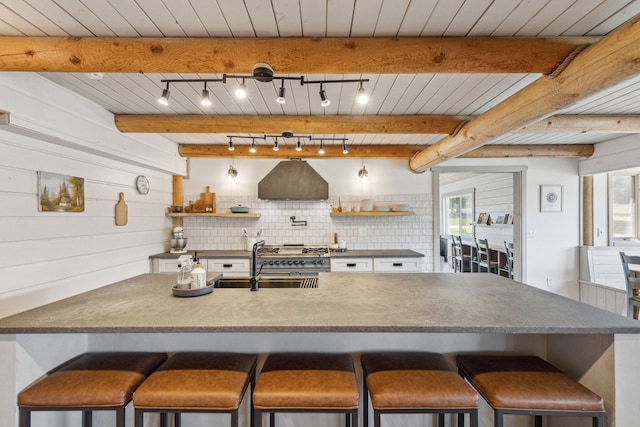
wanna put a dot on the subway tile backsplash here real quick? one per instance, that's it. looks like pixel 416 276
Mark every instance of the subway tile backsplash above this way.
pixel 276 226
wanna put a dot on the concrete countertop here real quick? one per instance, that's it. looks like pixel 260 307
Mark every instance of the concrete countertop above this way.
pixel 343 302
pixel 206 254
pixel 378 253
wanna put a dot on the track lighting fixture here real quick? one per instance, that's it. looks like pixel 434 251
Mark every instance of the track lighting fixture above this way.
pixel 164 99
pixel 281 91
pixel 362 173
pixel 275 144
pixel 321 150
pixel 263 73
pixel 241 91
pixel 205 101
pixel 252 149
pixel 325 101
pixel 288 134
pixel 231 148
pixel 344 148
pixel 299 145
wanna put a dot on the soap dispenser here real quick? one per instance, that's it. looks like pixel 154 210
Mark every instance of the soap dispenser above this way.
pixel 198 275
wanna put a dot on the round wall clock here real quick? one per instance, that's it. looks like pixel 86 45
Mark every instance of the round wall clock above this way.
pixel 142 184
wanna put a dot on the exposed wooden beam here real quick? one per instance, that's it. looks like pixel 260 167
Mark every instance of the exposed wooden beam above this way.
pixel 298 124
pixel 602 65
pixel 536 150
pixel 381 151
pixel 589 123
pixel 360 124
pixel 288 55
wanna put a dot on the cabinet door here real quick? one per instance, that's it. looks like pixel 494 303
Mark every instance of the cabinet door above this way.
pixel 238 267
pixel 355 265
pixel 397 265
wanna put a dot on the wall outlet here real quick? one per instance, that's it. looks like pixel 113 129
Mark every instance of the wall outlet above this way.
pixel 362 231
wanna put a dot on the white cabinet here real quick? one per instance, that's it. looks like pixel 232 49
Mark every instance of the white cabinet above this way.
pixel 355 265
pixel 397 265
pixel 238 267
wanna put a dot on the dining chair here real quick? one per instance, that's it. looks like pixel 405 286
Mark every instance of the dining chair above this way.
pixel 509 250
pixel 632 279
pixel 483 257
pixel 460 259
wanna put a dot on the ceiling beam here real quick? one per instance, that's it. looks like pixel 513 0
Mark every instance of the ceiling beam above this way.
pixel 193 123
pixel 588 123
pixel 600 66
pixel 423 124
pixel 288 55
pixel 381 151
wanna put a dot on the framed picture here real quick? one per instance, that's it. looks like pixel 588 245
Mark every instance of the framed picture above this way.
pixel 551 198
pixel 482 218
pixel 60 193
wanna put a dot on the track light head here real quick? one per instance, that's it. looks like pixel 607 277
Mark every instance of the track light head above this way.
pixel 231 147
pixel 325 101
pixel 281 92
pixel 299 145
pixel 205 101
pixel 344 148
pixel 275 145
pixel 164 99
pixel 361 95
pixel 321 150
pixel 252 149
pixel 241 91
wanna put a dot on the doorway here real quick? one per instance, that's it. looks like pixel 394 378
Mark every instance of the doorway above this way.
pixel 498 196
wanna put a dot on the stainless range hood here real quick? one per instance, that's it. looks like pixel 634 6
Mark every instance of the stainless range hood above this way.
pixel 293 180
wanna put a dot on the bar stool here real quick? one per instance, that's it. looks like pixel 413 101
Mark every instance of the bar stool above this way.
pixel 306 382
pixel 196 382
pixel 416 382
pixel 528 385
pixel 89 382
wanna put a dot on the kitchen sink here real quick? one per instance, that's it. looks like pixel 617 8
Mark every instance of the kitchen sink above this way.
pixel 270 282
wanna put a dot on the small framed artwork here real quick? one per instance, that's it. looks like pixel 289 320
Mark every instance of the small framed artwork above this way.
pixel 60 193
pixel 482 218
pixel 551 198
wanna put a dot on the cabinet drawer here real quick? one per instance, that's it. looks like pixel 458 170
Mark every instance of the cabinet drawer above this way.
pixel 397 265
pixel 161 265
pixel 359 265
pixel 238 267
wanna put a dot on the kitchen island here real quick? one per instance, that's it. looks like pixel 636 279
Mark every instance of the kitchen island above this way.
pixel 351 312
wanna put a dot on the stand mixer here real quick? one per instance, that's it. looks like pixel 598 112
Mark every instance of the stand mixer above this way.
pixel 178 242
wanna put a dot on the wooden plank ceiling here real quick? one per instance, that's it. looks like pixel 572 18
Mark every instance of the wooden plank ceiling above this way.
pixel 432 65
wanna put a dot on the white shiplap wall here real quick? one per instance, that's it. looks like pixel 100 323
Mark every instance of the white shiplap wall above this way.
pixel 47 256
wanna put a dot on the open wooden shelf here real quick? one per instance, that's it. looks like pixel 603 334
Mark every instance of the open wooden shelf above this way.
pixel 372 213
pixel 213 214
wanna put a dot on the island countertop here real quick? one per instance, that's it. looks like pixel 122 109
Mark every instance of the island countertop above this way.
pixel 343 302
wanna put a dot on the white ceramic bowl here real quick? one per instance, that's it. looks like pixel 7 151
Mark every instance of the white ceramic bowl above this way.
pixel 400 207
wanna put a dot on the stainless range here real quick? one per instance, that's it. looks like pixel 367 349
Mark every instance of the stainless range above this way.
pixel 293 260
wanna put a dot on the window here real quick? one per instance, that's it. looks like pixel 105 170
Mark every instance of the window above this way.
pixel 458 218
pixel 624 214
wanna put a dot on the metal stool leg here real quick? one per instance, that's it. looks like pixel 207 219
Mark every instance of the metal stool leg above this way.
pixel 365 403
pixel 538 421
pixel 120 417
pixel 25 418
pixel 440 420
pixel 234 419
pixel 460 419
pixel 272 419
pixel 86 419
pixel 139 418
pixel 177 419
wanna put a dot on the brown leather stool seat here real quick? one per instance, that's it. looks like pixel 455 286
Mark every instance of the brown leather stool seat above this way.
pixel 306 382
pixel 196 382
pixel 416 382
pixel 89 382
pixel 528 385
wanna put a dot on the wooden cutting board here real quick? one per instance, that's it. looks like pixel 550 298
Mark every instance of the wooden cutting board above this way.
pixel 122 211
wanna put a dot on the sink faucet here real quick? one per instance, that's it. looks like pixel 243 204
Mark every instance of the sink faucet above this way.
pixel 255 273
